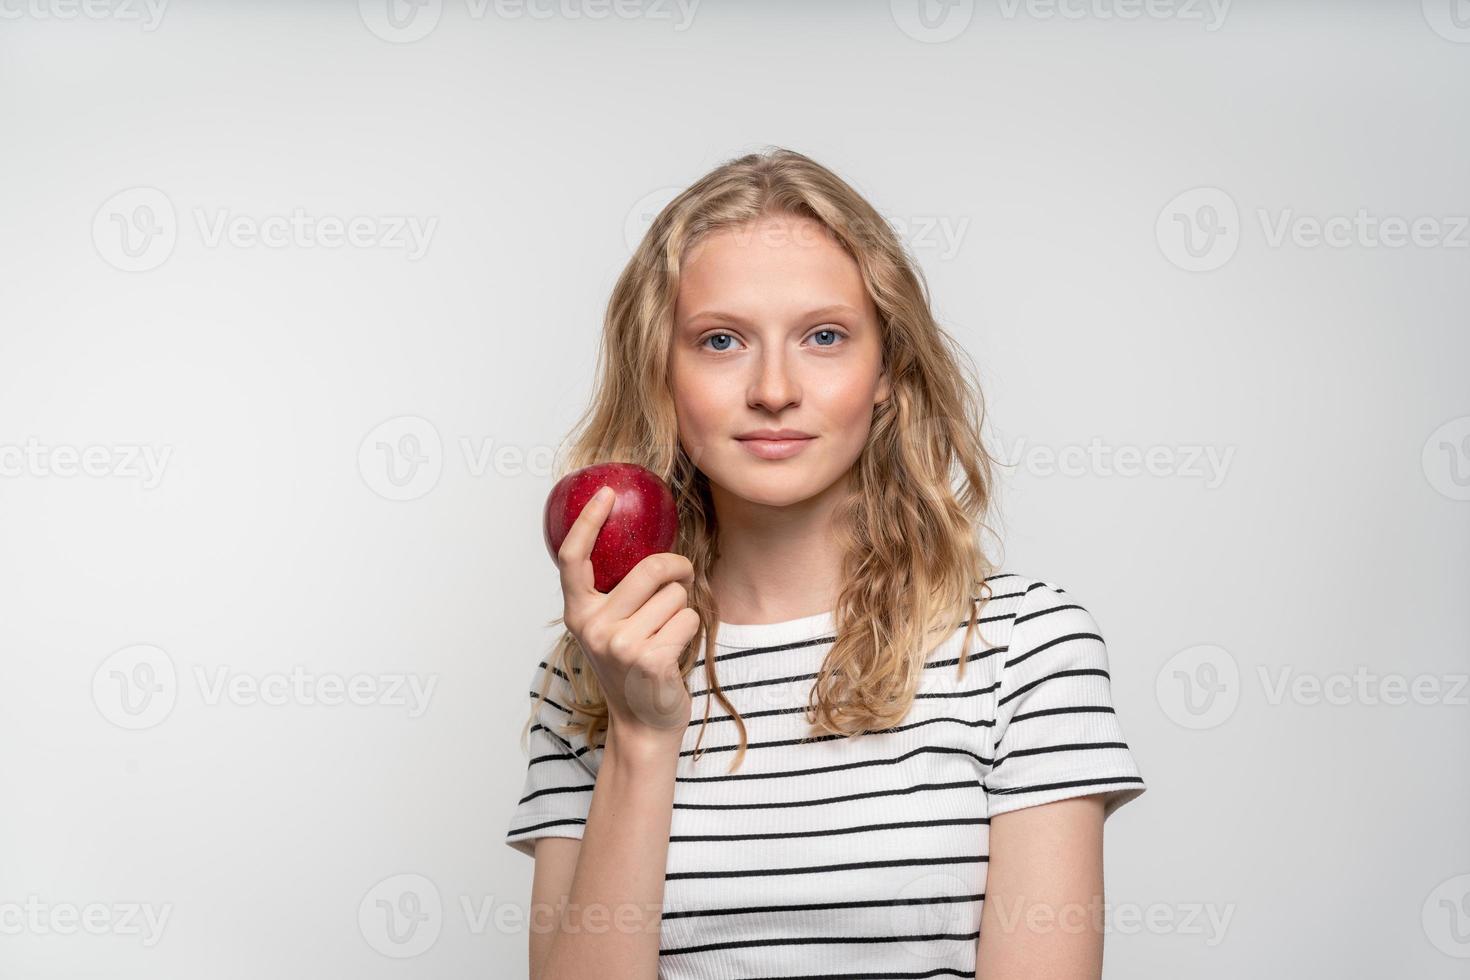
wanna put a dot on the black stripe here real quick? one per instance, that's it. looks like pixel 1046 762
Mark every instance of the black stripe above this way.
pixel 1067 785
pixel 843 767
pixel 1053 642
pixel 816 940
pixel 834 832
pixel 959 694
pixel 818 906
pixel 1075 709
pixel 553 790
pixel 538 727
pixel 1079 672
pixel 974 656
pixel 825 868
pixel 798 644
pixel 558 707
pixel 1043 612
pixel 904 791
pixel 983 723
pixel 1070 746
pixel 779 648
pixel 747 715
pixel 557 671
pixel 542 826
pixel 791 711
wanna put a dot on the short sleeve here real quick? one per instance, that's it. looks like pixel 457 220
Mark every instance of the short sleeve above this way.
pixel 560 771
pixel 1056 734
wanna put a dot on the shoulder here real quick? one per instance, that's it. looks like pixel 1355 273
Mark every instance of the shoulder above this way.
pixel 1035 610
pixel 1023 593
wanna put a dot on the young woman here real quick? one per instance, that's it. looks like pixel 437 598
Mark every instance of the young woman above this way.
pixel 826 736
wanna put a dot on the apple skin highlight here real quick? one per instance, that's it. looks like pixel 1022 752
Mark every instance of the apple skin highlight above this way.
pixel 644 519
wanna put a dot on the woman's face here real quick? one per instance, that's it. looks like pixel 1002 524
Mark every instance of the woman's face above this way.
pixel 773 329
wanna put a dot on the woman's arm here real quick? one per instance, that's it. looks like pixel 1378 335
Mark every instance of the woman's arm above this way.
pixel 608 926
pixel 1043 915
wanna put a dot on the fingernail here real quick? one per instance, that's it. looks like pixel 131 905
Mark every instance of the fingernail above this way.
pixel 605 493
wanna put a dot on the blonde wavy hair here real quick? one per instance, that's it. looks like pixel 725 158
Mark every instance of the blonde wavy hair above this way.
pixel 914 568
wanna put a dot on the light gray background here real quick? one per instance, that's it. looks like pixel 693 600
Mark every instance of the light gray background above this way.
pixel 1034 163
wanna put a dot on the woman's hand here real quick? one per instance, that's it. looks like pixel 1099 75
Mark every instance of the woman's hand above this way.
pixel 634 635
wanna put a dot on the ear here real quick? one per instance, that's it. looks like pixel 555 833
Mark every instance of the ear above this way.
pixel 885 388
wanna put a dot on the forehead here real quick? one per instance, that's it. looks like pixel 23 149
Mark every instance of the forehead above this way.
pixel 770 266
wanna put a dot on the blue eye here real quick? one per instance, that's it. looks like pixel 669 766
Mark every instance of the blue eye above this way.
pixel 835 336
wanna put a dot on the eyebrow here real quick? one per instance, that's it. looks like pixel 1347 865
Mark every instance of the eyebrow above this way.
pixel 732 318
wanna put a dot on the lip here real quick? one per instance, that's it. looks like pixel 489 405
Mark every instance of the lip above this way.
pixel 775 434
pixel 775 448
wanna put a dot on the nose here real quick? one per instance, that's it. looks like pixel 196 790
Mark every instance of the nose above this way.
pixel 773 387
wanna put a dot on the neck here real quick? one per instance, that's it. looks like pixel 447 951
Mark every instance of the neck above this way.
pixel 776 563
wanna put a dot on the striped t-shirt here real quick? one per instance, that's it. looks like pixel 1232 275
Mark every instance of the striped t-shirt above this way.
pixel 866 856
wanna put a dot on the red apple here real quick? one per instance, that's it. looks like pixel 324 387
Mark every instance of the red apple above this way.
pixel 643 521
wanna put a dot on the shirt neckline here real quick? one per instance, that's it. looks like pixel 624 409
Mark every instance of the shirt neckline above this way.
pixel 770 634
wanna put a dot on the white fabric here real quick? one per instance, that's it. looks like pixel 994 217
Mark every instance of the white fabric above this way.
pixel 809 858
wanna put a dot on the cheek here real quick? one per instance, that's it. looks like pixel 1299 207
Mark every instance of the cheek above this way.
pixel 699 410
pixel 847 401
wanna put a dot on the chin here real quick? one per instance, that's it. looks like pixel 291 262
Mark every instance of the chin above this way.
pixel 769 486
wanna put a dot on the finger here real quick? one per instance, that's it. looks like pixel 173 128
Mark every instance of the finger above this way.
pixel 658 610
pixel 680 629
pixel 646 578
pixel 574 558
